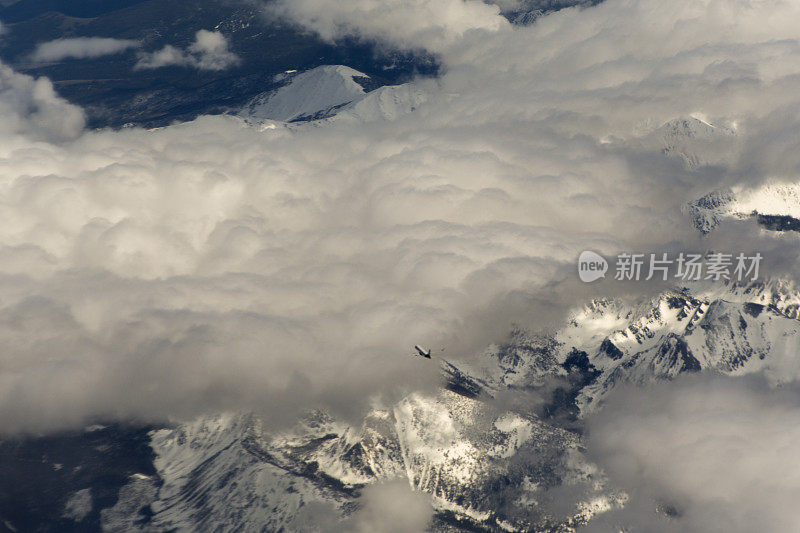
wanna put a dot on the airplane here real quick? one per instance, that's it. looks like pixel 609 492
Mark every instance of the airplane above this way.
pixel 421 352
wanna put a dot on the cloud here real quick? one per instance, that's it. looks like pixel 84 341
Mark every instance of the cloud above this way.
pixel 167 56
pixel 384 507
pixel 428 24
pixel 713 451
pixel 391 507
pixel 31 107
pixel 218 265
pixel 209 51
pixel 80 48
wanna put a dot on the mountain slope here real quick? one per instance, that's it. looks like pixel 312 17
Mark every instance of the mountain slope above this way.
pixel 315 93
pixel 495 442
pixel 333 92
pixel 774 206
pixel 497 448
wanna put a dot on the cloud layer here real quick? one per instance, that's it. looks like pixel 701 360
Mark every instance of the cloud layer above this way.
pixel 209 51
pixel 214 264
pixel 80 48
pixel 716 453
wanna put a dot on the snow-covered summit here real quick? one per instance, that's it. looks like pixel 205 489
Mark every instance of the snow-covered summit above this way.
pixel 315 93
pixel 385 103
pixel 775 206
pixel 697 142
pixel 333 92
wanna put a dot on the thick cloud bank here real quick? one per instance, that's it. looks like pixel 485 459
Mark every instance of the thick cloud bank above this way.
pixel 215 265
pixel 80 48
pixel 209 51
pixel 717 454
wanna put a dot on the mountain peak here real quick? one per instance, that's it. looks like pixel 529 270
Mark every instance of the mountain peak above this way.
pixel 315 93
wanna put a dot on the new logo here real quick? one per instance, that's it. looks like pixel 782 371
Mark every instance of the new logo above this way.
pixel 591 266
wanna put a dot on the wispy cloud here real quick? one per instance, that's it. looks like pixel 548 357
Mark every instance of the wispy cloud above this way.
pixel 80 48
pixel 391 507
pixel 209 51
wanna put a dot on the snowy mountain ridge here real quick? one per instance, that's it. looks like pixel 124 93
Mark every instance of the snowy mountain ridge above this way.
pixel 315 93
pixel 486 465
pixel 693 140
pixel 774 206
pixel 333 92
pixel 697 143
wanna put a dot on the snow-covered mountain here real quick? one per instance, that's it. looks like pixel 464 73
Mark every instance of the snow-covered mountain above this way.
pixel 497 447
pixel 697 143
pixel 731 331
pixel 774 206
pixel 316 93
pixel 490 446
pixel 226 472
pixel 693 140
pixel 385 103
pixel 333 92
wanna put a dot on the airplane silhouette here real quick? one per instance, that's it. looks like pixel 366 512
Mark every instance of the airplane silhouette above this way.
pixel 421 352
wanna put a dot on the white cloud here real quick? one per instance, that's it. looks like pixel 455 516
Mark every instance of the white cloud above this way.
pixel 80 48
pixel 429 24
pixel 209 51
pixel 212 265
pixel 391 507
pixel 384 507
pixel 719 451
pixel 30 106
pixel 167 56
